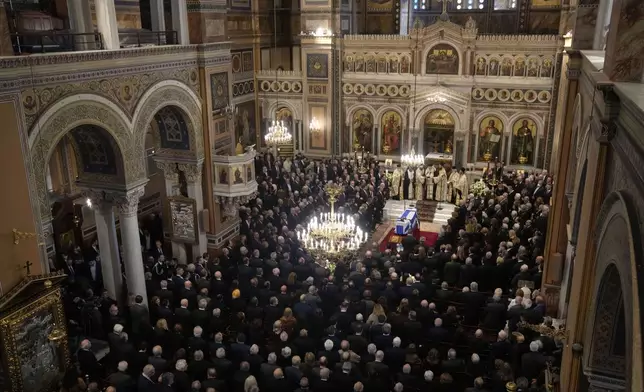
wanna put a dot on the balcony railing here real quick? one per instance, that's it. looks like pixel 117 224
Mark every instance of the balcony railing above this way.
pixel 53 41
pixel 141 38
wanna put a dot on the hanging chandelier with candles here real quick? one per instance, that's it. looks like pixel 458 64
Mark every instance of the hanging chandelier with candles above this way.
pixel 278 134
pixel 332 233
pixel 412 159
pixel 314 126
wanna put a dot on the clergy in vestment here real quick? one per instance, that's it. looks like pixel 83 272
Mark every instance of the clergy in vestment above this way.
pixel 429 176
pixel 396 180
pixel 408 184
pixel 441 185
pixel 420 180
pixel 452 179
pixel 462 188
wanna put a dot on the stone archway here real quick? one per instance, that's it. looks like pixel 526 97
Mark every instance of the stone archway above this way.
pixel 171 99
pixel 613 354
pixel 69 114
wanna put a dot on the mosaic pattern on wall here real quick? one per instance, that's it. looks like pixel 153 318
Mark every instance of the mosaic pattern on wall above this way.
pixel 317 65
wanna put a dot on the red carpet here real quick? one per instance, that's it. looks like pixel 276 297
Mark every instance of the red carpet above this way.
pixel 391 238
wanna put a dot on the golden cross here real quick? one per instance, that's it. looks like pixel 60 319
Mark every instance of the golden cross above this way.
pixel 445 5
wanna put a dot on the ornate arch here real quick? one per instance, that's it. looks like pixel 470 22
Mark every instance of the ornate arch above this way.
pixel 357 106
pixel 380 112
pixel 537 120
pixel 272 107
pixel 430 44
pixel 619 247
pixel 506 122
pixel 66 115
pixel 175 94
pixel 421 114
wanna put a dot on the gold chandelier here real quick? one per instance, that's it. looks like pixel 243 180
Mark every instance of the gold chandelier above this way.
pixel 332 233
pixel 278 134
pixel 314 126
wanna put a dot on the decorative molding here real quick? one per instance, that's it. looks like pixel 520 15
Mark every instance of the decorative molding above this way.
pixel 607 132
pixel 107 55
pixel 169 169
pixel 192 172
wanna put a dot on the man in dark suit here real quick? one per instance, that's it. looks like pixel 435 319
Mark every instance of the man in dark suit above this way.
pixel 452 365
pixel 159 364
pixel 494 314
pixel 377 368
pixel 183 316
pixel 533 363
pixel 157 251
pixel 87 360
pixel 451 271
pixel 145 383
pixel 438 334
pixel 121 380
pixel 140 317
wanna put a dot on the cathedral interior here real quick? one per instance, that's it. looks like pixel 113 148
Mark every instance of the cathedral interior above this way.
pixel 142 105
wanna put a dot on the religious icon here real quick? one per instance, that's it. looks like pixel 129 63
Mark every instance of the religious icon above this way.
pixel 530 96
pixel 381 65
pixel 533 68
pixel 223 177
pixel 404 65
pixel 442 59
pixel 359 65
pixel 249 174
pixel 506 67
pixel 490 138
pixel 238 176
pixel 478 93
pixel 494 68
pixel 546 68
pixel 370 64
pixel 517 95
pixel 285 115
pixel 362 129
pixel 524 132
pixel 391 132
pixel 519 67
pixel 480 66
pixel 504 95
pixel 393 65
pixel 348 64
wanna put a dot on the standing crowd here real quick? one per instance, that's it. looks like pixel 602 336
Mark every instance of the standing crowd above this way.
pixel 264 315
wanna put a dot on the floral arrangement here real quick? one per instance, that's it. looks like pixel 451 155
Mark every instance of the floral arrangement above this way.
pixel 479 188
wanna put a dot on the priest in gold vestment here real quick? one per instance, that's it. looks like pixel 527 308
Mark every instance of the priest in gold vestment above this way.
pixel 429 180
pixel 441 185
pixel 462 188
pixel 452 179
pixel 396 181
pixel 420 181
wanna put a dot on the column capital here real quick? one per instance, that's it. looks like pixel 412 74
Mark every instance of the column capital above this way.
pixel 192 171
pixel 128 203
pixel 98 197
pixel 169 169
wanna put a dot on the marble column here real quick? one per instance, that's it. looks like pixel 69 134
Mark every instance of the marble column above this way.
pixel 171 175
pixel 157 15
pixel 108 243
pixel 107 24
pixel 180 21
pixel 80 21
pixel 624 61
pixel 195 191
pixel 128 206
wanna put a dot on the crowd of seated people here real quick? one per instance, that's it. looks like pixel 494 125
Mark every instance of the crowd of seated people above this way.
pixel 264 315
